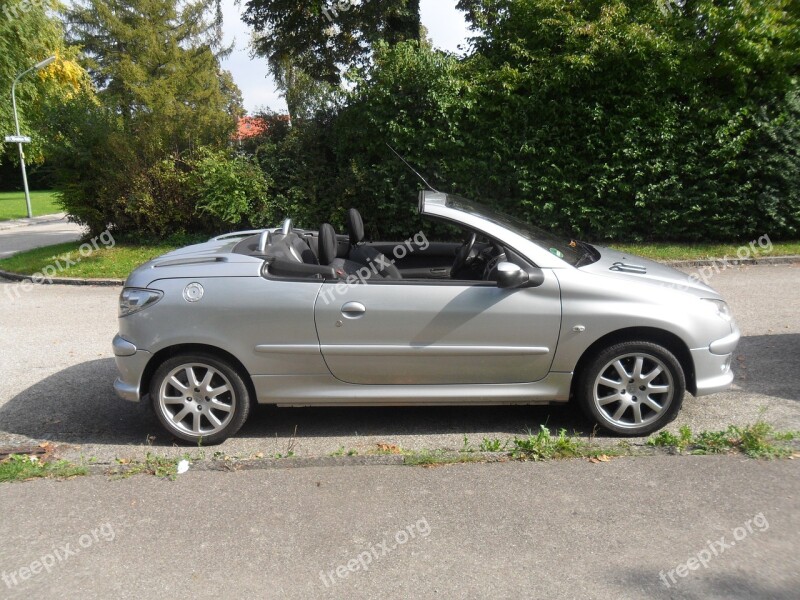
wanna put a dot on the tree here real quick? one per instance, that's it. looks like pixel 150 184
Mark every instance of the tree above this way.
pixel 156 64
pixel 324 39
pixel 304 95
pixel 162 98
pixel 30 32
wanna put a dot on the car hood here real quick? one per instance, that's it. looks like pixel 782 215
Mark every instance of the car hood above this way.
pixel 210 259
pixel 623 266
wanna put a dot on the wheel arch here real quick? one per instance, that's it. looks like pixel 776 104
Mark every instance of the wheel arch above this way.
pixel 166 353
pixel 668 340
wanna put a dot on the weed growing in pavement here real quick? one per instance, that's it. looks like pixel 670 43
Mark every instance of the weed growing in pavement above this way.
pixel 759 440
pixel 342 452
pixel 439 457
pixel 542 446
pixel 163 467
pixel 493 445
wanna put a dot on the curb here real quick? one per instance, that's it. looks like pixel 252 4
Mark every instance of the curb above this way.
pixel 736 262
pixel 305 462
pixel 264 464
pixel 637 451
pixel 61 280
pixel 42 220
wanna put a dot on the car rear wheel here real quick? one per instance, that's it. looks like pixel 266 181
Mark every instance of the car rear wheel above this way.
pixel 632 388
pixel 200 398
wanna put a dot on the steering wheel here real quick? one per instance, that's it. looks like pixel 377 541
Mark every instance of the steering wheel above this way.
pixel 464 256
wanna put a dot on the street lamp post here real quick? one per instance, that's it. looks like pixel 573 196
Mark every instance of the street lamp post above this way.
pixel 36 67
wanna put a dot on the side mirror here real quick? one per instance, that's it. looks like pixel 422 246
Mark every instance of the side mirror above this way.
pixel 510 276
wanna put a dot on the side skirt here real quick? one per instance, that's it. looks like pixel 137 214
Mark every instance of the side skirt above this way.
pixel 305 390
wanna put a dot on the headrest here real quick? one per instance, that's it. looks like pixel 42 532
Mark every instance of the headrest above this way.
pixel 355 225
pixel 327 244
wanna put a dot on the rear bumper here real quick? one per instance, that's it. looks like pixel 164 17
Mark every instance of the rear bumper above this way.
pixel 131 363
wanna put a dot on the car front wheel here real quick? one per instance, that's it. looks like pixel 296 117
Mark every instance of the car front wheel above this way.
pixel 200 398
pixel 632 388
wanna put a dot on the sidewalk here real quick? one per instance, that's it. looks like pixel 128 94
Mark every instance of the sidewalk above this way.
pixel 26 234
pixel 669 527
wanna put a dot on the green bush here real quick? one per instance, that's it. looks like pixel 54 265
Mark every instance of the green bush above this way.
pixel 232 189
pixel 139 188
pixel 602 120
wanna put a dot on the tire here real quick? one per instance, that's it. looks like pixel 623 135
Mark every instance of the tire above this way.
pixel 207 412
pixel 644 400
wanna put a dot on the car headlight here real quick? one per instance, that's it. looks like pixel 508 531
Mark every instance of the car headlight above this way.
pixel 132 300
pixel 723 310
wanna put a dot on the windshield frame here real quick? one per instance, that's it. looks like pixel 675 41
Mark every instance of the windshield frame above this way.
pixel 570 251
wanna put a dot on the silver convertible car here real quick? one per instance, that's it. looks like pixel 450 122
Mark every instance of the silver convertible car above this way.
pixel 513 315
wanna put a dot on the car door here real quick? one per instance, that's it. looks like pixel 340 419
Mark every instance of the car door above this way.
pixel 432 332
pixel 433 261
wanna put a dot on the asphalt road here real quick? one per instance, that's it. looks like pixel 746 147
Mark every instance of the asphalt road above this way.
pixel 55 357
pixel 27 234
pixel 713 527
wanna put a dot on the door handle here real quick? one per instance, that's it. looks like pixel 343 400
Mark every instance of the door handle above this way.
pixel 353 310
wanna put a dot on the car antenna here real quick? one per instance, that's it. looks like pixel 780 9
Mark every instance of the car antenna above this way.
pixel 413 170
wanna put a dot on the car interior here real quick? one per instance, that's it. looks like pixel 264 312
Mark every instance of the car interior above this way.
pixel 294 253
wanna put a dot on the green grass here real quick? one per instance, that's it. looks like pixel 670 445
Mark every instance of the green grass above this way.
pixel 125 256
pixel 106 262
pixel 12 204
pixel 21 468
pixel 664 251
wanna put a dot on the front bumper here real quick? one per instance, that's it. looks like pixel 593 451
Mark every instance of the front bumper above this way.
pixel 712 365
pixel 131 363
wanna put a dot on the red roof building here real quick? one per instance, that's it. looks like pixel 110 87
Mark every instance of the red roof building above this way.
pixel 249 127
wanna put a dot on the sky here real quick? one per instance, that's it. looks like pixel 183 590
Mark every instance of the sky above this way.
pixel 445 24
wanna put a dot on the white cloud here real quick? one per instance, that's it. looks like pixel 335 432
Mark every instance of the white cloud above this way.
pixel 445 24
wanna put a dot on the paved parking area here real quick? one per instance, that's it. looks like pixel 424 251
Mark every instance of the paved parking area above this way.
pixel 58 369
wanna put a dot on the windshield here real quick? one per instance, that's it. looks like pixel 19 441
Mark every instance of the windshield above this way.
pixel 569 251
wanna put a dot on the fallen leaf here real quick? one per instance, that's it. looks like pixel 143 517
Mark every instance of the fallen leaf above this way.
pixel 598 459
pixel 392 448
